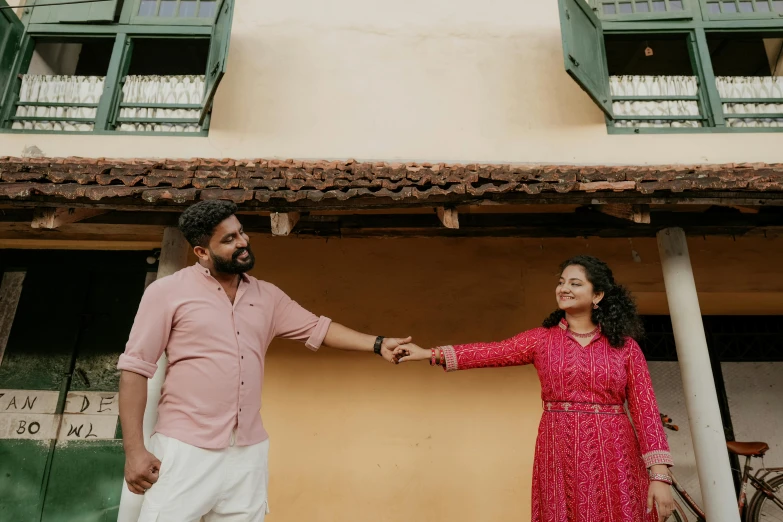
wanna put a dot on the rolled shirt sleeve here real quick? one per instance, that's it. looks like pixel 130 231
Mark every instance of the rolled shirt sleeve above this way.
pixel 150 333
pixel 291 321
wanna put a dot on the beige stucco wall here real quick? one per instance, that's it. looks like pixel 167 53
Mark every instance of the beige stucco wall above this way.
pixel 355 439
pixel 433 80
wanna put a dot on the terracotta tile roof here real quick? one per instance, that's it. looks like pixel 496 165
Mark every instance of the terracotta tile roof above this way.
pixel 264 182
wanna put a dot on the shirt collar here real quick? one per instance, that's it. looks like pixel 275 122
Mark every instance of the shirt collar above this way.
pixel 207 273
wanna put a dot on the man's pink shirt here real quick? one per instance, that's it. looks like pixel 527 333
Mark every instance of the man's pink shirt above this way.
pixel 215 350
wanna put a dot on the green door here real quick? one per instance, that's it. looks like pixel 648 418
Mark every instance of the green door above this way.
pixel 36 359
pixel 71 325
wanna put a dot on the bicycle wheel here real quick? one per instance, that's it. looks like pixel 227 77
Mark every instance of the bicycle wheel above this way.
pixel 762 509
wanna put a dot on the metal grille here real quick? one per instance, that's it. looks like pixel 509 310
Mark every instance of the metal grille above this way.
pixel 623 7
pixel 178 8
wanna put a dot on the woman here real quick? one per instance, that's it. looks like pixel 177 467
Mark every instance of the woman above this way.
pixel 591 465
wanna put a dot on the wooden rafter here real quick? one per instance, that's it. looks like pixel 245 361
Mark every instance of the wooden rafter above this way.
pixel 283 222
pixel 147 227
pixel 51 218
pixel 635 213
pixel 448 217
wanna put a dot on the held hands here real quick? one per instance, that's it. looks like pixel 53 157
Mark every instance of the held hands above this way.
pixel 397 350
pixel 411 352
pixel 391 345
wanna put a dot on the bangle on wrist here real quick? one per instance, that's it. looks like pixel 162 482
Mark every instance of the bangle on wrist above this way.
pixel 661 477
pixel 378 344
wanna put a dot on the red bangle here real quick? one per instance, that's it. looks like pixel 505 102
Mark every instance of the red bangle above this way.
pixel 438 356
pixel 432 359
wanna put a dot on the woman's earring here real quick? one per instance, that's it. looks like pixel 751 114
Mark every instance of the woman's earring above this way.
pixel 595 306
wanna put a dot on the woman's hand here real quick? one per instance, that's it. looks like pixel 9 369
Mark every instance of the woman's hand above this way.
pixel 412 352
pixel 390 345
pixel 660 494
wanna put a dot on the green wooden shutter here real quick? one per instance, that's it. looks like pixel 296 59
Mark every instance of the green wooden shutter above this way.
pixel 584 52
pixel 104 11
pixel 11 30
pixel 218 54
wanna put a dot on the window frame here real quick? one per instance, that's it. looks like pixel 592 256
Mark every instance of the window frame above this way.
pixel 698 27
pixel 104 11
pixel 123 33
pixel 116 104
pixel 739 15
pixel 690 10
pixel 10 44
pixel 131 7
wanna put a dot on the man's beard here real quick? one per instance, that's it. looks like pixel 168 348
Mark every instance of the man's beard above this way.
pixel 233 265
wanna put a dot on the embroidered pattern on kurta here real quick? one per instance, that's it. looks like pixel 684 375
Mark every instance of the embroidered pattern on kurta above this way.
pixel 590 461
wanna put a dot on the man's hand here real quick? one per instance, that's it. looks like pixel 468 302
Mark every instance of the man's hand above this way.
pixel 141 470
pixel 393 345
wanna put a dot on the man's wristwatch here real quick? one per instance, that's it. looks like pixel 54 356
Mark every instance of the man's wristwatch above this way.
pixel 378 343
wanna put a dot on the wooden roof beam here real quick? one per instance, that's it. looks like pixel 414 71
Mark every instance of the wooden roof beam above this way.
pixel 745 210
pixel 51 218
pixel 635 213
pixel 283 222
pixel 448 217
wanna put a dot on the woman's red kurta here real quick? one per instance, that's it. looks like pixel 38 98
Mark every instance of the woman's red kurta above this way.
pixel 590 462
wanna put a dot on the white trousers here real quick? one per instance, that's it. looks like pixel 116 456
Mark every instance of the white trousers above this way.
pixel 226 485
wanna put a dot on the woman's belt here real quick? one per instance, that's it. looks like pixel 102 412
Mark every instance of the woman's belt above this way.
pixel 584 407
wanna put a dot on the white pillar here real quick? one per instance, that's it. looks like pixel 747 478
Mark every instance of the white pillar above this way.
pixel 701 399
pixel 173 257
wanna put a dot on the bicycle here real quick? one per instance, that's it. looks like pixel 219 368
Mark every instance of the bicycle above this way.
pixel 766 504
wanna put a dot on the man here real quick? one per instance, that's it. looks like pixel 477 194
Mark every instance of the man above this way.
pixel 208 455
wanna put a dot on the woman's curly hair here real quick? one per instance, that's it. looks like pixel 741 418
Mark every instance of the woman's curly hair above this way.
pixel 616 313
pixel 199 221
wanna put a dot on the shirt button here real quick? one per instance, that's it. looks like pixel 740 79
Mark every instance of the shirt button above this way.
pixel 242 356
pixel 237 333
pixel 243 383
pixel 240 410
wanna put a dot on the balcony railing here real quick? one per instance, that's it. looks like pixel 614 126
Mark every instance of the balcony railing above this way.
pixel 57 103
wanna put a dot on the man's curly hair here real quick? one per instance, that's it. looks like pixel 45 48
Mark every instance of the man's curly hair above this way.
pixel 199 221
pixel 616 313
